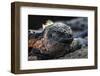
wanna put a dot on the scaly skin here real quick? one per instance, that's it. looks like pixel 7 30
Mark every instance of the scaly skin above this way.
pixel 56 40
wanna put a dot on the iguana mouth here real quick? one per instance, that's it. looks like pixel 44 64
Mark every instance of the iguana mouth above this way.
pixel 66 41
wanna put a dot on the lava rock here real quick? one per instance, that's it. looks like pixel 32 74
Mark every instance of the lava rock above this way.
pixel 78 24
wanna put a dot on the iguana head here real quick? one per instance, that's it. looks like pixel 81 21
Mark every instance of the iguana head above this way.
pixel 57 38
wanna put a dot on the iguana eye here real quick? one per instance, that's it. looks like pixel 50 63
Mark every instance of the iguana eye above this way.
pixel 69 36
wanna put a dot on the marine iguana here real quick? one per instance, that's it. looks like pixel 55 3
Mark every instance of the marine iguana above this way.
pixel 56 41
